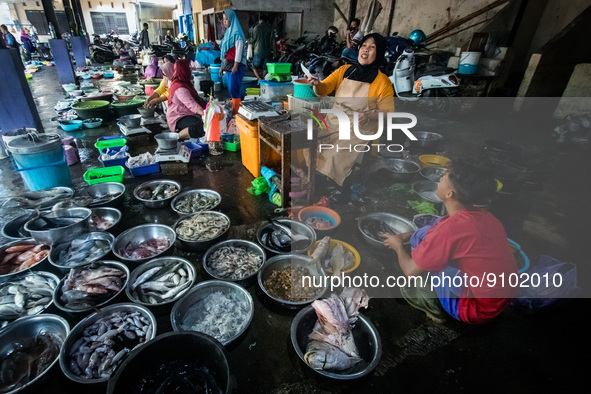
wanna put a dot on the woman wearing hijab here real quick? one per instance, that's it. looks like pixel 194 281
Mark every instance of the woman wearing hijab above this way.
pixel 153 71
pixel 360 88
pixel 233 55
pixel 27 44
pixel 161 93
pixel 185 107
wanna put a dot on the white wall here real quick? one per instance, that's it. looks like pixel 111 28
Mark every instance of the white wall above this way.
pixel 118 6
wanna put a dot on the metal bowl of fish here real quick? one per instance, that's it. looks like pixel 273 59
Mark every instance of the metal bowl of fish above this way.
pixel 60 225
pixel 427 190
pixel 283 236
pixel 200 231
pixel 157 194
pixel 15 228
pixel 364 335
pixel 161 281
pixel 144 242
pixel 234 260
pixel 217 308
pixel 104 219
pixel 27 295
pixel 374 224
pixel 19 256
pixel 29 348
pixel 91 286
pixel 42 199
pixel 104 194
pixel 433 174
pixel 100 342
pixel 85 249
pixel 283 278
pixel 193 201
pixel 401 170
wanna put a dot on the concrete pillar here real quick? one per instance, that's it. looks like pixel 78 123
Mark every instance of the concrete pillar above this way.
pixel 50 15
pixel 61 56
pixel 79 47
pixel 16 101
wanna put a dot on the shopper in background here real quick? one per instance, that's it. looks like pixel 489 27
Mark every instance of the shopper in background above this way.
pixel 233 55
pixel 144 39
pixel 262 40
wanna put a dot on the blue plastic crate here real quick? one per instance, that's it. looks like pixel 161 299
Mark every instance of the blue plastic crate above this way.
pixel 195 150
pixel 204 148
pixel 145 170
pixel 113 162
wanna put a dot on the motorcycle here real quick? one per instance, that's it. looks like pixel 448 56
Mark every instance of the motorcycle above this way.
pixel 102 53
pixel 414 84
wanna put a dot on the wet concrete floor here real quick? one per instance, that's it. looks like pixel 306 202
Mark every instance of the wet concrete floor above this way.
pixel 515 353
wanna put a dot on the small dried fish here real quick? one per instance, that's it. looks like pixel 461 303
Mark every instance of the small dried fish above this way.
pixel 28 295
pixel 161 284
pixel 202 227
pixel 234 262
pixel 161 192
pixel 196 202
pixel 104 344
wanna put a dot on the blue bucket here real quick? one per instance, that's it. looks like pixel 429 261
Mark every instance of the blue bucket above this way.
pixel 215 73
pixel 41 161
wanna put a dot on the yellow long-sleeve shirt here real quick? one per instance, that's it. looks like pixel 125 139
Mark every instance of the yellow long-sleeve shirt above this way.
pixel 162 90
pixel 381 87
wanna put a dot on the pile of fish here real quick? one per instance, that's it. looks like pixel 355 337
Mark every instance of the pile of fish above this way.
pixel 202 227
pixel 45 222
pixel 162 283
pixel 20 257
pixel 83 250
pixel 104 344
pixel 318 223
pixel 94 199
pixel 99 223
pixel 234 262
pixel 163 191
pixel 280 237
pixel 287 284
pixel 145 249
pixel 331 345
pixel 219 315
pixel 26 296
pixel 374 229
pixel 145 159
pixel 115 153
pixel 28 359
pixel 196 202
pixel 41 199
pixel 92 285
pixel 177 377
pixel 334 261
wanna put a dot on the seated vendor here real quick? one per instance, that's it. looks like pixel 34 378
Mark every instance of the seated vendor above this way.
pixel 468 242
pixel 160 94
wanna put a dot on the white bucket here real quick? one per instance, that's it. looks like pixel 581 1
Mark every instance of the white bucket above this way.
pixel 469 62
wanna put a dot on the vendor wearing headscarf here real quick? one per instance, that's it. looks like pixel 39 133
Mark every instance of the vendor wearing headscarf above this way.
pixel 185 107
pixel 153 71
pixel 233 55
pixel 27 44
pixel 161 92
pixel 360 88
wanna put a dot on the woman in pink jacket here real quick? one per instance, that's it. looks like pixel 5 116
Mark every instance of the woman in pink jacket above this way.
pixel 185 107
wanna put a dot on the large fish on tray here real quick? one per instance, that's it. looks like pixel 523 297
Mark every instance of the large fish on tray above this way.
pixel 331 345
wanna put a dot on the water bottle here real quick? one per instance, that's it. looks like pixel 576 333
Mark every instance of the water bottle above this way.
pixel 52 31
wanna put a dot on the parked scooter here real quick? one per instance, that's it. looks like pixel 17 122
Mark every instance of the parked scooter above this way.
pixel 102 53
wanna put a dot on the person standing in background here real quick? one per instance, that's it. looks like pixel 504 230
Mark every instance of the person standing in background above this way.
pixel 144 39
pixel 8 37
pixel 27 45
pixel 233 55
pixel 354 37
pixel 262 40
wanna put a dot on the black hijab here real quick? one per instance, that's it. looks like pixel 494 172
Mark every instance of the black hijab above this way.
pixel 367 73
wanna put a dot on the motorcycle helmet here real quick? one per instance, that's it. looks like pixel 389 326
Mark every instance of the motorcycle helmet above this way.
pixel 418 37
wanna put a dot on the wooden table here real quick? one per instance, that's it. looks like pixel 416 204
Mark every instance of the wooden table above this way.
pixel 284 134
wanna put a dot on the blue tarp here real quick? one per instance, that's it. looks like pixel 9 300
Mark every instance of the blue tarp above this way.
pixel 206 57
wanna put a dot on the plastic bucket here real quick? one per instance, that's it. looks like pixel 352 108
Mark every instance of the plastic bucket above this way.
pixel 215 73
pixel 41 161
pixel 469 62
pixel 301 89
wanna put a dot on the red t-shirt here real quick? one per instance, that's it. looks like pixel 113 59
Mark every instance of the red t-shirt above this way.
pixel 231 53
pixel 475 242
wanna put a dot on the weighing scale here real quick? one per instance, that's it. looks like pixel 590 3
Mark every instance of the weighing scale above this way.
pixel 181 154
pixel 252 110
pixel 127 131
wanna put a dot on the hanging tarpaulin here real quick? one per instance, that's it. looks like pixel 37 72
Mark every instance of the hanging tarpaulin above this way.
pixel 375 8
pixel 187 7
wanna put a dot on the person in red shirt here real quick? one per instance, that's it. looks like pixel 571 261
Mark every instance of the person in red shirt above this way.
pixel 469 243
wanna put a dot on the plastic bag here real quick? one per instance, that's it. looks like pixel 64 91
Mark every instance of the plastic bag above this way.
pixel 535 299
